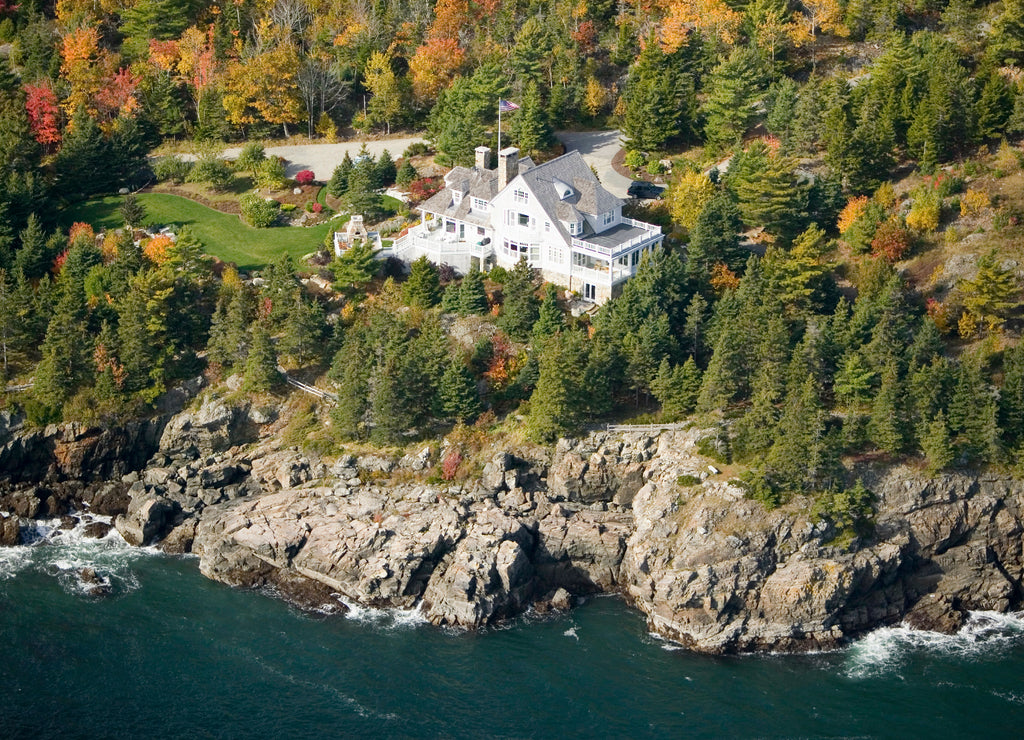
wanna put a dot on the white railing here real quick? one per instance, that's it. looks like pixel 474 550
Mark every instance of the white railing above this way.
pixel 649 235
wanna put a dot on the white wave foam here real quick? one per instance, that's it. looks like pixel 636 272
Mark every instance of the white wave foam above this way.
pixel 886 650
pixel 571 632
pixel 64 553
pixel 384 618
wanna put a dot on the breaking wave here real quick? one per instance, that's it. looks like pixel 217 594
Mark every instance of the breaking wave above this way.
pixel 65 553
pixel 887 650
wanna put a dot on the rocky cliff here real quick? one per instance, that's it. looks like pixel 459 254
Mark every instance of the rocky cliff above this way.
pixel 643 516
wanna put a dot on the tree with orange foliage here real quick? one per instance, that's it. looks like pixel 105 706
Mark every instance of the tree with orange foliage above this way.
pixel 434 66
pixel 713 18
pixel 722 278
pixel 81 66
pixel 157 249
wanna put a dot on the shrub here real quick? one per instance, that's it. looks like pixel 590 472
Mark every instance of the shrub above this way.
pixel 304 177
pixel 258 211
pixel 498 274
pixel 925 210
pixel 852 211
pixel 288 207
pixel 634 160
pixel 172 169
pixel 891 240
pixel 654 166
pixel 211 170
pixel 974 201
pixel 415 149
pixel 450 464
pixel 326 127
pixel 406 174
pixel 251 157
pixel 688 480
pixel 270 173
pixel 318 207
pixel 420 190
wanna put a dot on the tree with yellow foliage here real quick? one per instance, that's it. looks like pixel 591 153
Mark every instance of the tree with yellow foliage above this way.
pixel 381 81
pixel 688 196
pixel 261 84
pixel 713 18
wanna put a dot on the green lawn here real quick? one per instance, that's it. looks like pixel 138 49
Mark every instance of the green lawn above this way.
pixel 223 235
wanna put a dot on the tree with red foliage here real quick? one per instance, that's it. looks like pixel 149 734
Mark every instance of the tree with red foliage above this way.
pixel 892 240
pixel 43 114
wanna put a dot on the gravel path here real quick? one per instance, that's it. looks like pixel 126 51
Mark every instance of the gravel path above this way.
pixel 598 149
pixel 323 158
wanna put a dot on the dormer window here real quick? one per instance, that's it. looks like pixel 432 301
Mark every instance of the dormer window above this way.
pixel 456 197
pixel 562 189
pixel 607 218
pixel 479 204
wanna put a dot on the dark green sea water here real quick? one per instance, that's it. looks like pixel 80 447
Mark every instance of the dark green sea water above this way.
pixel 171 654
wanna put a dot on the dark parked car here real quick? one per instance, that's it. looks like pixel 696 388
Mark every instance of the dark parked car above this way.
pixel 644 190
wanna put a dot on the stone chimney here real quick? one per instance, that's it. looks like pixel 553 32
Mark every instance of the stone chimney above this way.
pixel 483 157
pixel 508 166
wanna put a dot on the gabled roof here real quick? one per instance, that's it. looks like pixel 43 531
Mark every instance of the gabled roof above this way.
pixel 547 182
pixel 472 183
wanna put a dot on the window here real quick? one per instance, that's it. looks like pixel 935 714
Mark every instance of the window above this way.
pixel 449 226
pixel 524 219
pixel 607 218
pixel 590 291
pixel 479 204
pixel 456 197
pixel 636 258
pixel 555 255
pixel 480 231
pixel 534 257
pixel 547 226
pixel 521 196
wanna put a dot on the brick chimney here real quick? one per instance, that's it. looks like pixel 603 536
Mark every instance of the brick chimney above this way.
pixel 483 157
pixel 508 166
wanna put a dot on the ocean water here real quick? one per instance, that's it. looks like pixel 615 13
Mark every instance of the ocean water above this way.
pixel 171 654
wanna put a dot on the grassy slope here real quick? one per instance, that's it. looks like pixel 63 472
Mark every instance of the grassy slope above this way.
pixel 223 235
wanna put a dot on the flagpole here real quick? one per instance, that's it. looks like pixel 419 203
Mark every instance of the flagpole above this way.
pixel 499 125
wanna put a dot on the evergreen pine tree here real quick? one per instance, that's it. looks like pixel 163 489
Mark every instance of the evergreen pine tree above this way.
pixel 734 87
pixel 676 388
pixel 356 266
pixel 34 258
pixel 386 170
pixel 66 362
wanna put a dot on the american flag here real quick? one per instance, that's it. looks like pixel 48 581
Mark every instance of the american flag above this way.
pixel 507 105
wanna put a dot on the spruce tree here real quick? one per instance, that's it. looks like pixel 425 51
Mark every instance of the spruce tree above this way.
pixel 472 296
pixel 66 362
pixel 451 298
pixel 351 370
pixel 1011 397
pixel 457 393
pixel 531 129
pixel 423 287
pixel 755 431
pixel 557 405
pixel 936 444
pixel 34 258
pixel 132 212
pixel 338 184
pixel 261 373
pixel 715 238
pixel 519 310
pixel 676 388
pixel 304 331
pixel 356 266
pixel 550 318
pixel 734 87
pixel 886 429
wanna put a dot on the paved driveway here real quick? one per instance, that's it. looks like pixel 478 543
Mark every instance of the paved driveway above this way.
pixel 598 148
pixel 323 158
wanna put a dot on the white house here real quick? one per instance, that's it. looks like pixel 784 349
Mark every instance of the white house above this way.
pixel 555 214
